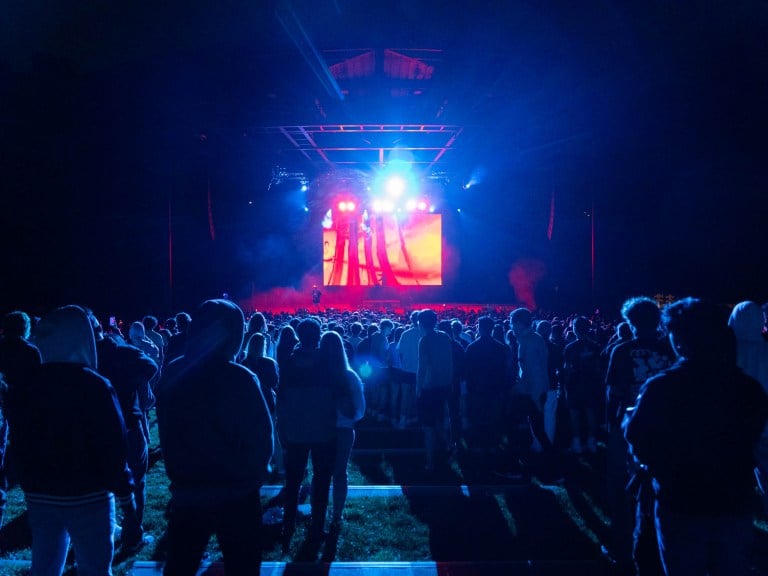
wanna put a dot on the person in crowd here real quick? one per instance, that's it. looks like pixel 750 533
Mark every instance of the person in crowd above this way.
pixel 306 422
pixel 746 321
pixel 530 391
pixel 354 335
pixel 694 429
pixel 216 436
pixel 69 439
pixel 408 350
pixel 178 341
pixel 130 372
pixel 487 387
pixel 19 359
pixel 379 386
pixel 434 379
pixel 137 337
pixel 350 408
pixel 630 365
pixel 286 342
pixel 457 331
pixel 581 374
pixel 458 386
pixel 150 329
pixel 267 372
pixel 258 324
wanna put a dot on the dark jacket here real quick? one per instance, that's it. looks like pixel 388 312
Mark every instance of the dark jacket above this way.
pixel 695 427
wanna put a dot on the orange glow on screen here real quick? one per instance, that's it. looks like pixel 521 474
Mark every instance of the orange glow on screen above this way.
pixel 383 250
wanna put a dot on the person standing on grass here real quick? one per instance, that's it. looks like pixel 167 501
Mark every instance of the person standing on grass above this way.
pixel 694 428
pixel 434 378
pixel 306 423
pixel 70 449
pixel 216 436
pixel 350 409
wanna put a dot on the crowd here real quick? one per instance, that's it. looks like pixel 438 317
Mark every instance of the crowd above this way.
pixel 677 398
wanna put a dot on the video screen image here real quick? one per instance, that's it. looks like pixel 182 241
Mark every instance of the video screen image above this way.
pixel 391 249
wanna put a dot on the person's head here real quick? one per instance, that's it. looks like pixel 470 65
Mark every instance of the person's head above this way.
pixel 415 317
pixel 257 323
pixel 624 331
pixel 427 320
pixel 456 328
pixel 386 326
pixel 332 349
pixel 150 323
pixel 355 328
pixel 581 326
pixel 17 324
pixel 136 331
pixel 308 332
pixel 746 321
pixel 444 326
pixel 520 321
pixel 642 314
pixel 485 326
pixel 257 346
pixel 698 330
pixel 183 320
pixel 170 324
pixel 217 331
pixel 65 335
pixel 287 337
pixel 544 329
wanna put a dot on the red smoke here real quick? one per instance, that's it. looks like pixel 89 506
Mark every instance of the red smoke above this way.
pixel 523 277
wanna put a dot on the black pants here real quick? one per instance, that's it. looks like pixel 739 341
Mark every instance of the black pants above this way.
pixel 237 526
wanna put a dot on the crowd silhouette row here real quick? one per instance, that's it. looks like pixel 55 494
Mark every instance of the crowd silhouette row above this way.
pixel 677 398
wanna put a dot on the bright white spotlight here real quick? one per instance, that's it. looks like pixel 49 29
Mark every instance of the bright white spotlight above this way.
pixel 342 206
pixel 458 209
pixel 306 208
pixel 304 187
pixel 410 205
pixel 432 209
pixel 351 206
pixel 378 206
pixel 395 186
pixel 389 206
pixel 422 205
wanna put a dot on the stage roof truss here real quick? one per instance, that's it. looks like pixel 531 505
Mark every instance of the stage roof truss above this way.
pixel 371 144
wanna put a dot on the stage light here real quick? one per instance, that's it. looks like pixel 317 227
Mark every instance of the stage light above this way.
pixel 395 186
pixel 432 209
pixel 410 205
pixel 342 206
pixel 422 205
pixel 304 187
pixel 378 206
pixel 458 209
pixel 389 206
pixel 306 208
pixel 351 206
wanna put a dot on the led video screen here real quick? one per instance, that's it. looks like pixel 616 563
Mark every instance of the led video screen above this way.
pixel 392 249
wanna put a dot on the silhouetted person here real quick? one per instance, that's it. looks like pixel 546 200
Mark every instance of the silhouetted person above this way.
pixel 19 359
pixel 630 365
pixel 216 437
pixel 306 422
pixel 69 438
pixel 695 427
pixel 433 384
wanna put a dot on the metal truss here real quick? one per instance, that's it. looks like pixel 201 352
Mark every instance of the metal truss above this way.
pixel 339 145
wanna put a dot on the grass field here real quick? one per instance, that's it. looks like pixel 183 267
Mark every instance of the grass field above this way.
pixel 468 517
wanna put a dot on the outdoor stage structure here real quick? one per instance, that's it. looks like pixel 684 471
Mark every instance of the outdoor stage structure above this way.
pixel 380 210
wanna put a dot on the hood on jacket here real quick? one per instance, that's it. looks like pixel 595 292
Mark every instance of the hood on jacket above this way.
pixel 746 321
pixel 216 330
pixel 66 335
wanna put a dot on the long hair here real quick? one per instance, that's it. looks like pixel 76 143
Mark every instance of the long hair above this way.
pixel 334 357
pixel 286 342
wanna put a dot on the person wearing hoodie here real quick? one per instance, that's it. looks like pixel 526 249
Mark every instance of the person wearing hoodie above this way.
pixel 216 437
pixel 70 449
pixel 746 321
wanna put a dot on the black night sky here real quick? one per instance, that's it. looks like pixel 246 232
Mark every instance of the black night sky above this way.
pixel 648 118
